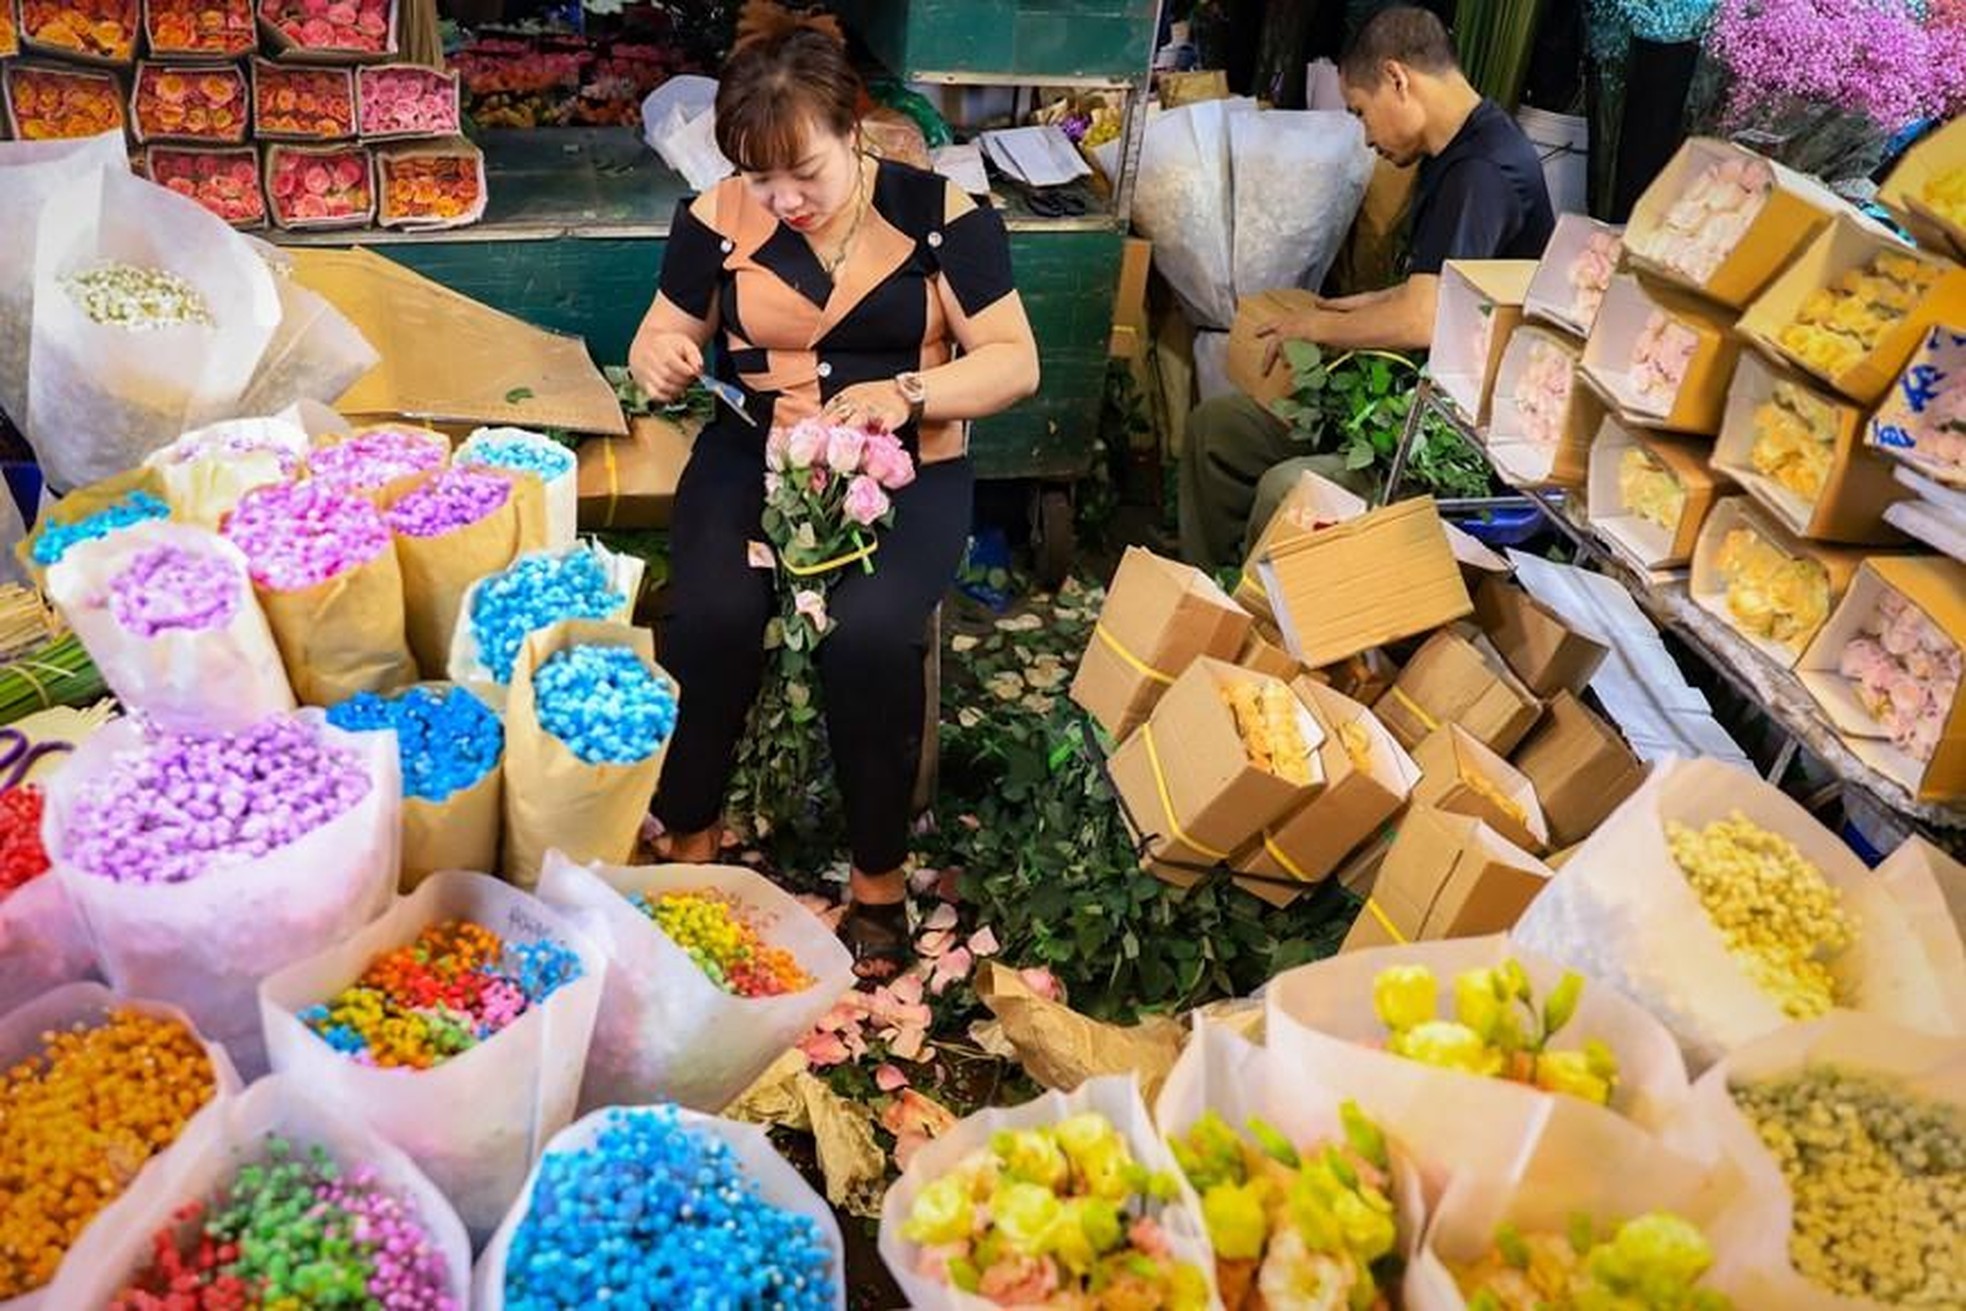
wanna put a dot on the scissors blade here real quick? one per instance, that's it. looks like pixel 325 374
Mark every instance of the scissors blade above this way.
pixel 729 395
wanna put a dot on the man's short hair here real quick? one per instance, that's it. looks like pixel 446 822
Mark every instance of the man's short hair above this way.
pixel 1401 33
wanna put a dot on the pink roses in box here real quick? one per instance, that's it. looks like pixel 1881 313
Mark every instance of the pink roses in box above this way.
pixel 407 100
pixel 226 182
pixel 1710 217
pixel 1590 273
pixel 319 186
pixel 1660 357
pixel 333 27
pixel 1906 672
pixel 1542 393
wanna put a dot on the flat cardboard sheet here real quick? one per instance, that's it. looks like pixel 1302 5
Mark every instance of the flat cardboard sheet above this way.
pixel 1580 768
pixel 448 359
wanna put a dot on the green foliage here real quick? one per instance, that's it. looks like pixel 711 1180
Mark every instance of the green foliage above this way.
pixel 1358 403
pixel 696 403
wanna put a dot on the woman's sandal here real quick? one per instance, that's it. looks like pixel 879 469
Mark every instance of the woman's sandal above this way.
pixel 876 934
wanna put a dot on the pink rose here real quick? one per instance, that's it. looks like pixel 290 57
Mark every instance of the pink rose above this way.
pixel 774 483
pixel 887 461
pixel 811 606
pixel 317 180
pixel 819 478
pixel 775 450
pixel 845 448
pixel 805 445
pixel 865 501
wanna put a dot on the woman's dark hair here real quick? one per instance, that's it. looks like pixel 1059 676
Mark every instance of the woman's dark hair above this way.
pixel 776 85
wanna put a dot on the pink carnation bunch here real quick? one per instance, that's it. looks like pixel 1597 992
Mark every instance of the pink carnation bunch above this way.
pixel 1905 671
pixel 408 100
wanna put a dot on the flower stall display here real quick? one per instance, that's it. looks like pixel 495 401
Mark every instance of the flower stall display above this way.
pixel 382 464
pixel 1574 273
pixel 1904 670
pixel 311 187
pixel 1763 583
pixel 1837 326
pixel 1723 908
pixel 196 105
pixel 1923 420
pixel 713 972
pixel 98 31
pixel 1706 220
pixel 330 31
pixel 587 727
pixel 539 590
pixel 1648 489
pixel 200 29
pixel 167 613
pixel 1481 304
pixel 295 103
pixel 451 530
pixel 1370 1022
pixel 427 186
pixel 1061 1199
pixel 93 1090
pixel 1795 433
pixel 9 33
pixel 1659 360
pixel 275 1198
pixel 324 569
pixel 666 1207
pixel 45 103
pixel 1662 357
pixel 85 516
pixel 1649 495
pixel 1542 392
pixel 1543 419
pixel 452 750
pixel 1589 275
pixel 518 451
pixel 516 82
pixel 1301 1194
pixel 406 100
pixel 455 1026
pixel 226 182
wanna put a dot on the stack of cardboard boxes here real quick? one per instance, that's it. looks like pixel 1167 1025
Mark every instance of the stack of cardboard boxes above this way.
pixel 1412 798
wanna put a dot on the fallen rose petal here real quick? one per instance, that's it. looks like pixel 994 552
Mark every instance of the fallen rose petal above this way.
pixel 983 942
pixel 949 887
pixel 907 990
pixel 1043 982
pixel 907 1044
pixel 943 917
pixel 934 943
pixel 889 1078
pixel 949 969
pixel 824 1049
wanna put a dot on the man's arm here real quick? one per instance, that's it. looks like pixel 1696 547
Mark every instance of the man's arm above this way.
pixel 1399 319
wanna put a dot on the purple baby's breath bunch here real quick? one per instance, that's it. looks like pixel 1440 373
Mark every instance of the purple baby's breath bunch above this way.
pixel 1872 58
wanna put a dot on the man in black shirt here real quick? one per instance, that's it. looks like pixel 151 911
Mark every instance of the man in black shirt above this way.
pixel 1479 195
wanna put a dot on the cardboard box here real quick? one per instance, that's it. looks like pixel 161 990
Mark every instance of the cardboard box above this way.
pixel 1523 462
pixel 1266 657
pixel 1385 575
pixel 1246 348
pixel 1361 795
pixel 1846 246
pixel 1900 428
pixel 1699 401
pixel 1903 193
pixel 1479 309
pixel 1446 876
pixel 1639 540
pixel 1936 586
pixel 1798 207
pixel 1457 678
pixel 1129 336
pixel 1547 654
pixel 1363 677
pixel 630 482
pixel 1580 767
pixel 1856 490
pixel 1553 296
pixel 1190 790
pixel 1159 617
pixel 1460 776
pixel 1709 586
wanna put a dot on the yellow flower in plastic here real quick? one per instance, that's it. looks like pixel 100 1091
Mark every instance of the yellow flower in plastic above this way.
pixel 1027 1217
pixel 1480 1001
pixel 1236 1222
pixel 1571 1074
pixel 1088 1228
pixel 1448 1046
pixel 1653 1261
pixel 1404 996
pixel 942 1213
pixel 1099 1154
pixel 1029 1157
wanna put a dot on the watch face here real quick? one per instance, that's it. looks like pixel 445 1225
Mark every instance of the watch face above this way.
pixel 912 388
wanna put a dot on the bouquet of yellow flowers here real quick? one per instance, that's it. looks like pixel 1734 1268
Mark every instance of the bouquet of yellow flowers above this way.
pixel 1770 593
pixel 1794 440
pixel 1840 324
pixel 1649 490
pixel 1267 718
pixel 1652 1263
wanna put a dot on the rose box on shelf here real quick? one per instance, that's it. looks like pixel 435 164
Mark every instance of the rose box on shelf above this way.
pixel 1852 247
pixel 224 179
pixel 1574 273
pixel 1935 587
pixel 1771 597
pixel 425 186
pixel 1642 541
pixel 47 101
pixel 406 100
pixel 199 105
pixel 100 32
pixel 199 29
pixel 1938 163
pixel 1922 422
pixel 1543 417
pixel 330 31
pixel 1663 357
pixel 1479 308
pixel 320 186
pixel 293 102
pixel 1783 434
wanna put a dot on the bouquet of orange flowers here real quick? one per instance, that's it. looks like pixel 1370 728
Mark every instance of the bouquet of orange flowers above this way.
pixel 431 185
pixel 51 103
pixel 303 104
pixel 319 186
pixel 189 104
pixel 101 30
pixel 222 28
pixel 226 182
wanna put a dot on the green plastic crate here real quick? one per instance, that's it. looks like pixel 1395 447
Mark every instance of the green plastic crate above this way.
pixel 1025 38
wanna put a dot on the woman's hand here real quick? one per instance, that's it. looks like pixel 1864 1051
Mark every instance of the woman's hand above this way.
pixel 869 404
pixel 664 364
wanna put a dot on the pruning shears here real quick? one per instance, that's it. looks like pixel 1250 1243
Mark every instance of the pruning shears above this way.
pixel 18 754
pixel 728 394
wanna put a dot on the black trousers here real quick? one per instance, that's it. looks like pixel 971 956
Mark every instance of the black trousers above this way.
pixel 870 664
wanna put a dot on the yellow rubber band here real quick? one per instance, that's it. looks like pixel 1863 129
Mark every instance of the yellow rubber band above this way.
pixel 1167 799
pixel 1289 865
pixel 827 566
pixel 1133 661
pixel 614 478
pixel 1250 585
pixel 1426 719
pixel 1385 922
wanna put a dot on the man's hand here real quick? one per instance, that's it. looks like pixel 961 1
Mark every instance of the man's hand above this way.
pixel 1295 327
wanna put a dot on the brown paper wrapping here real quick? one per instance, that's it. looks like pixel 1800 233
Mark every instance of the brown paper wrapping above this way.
pixel 80 504
pixel 459 832
pixel 438 571
pixel 342 636
pixel 553 798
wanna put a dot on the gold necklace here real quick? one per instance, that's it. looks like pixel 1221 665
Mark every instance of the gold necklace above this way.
pixel 859 212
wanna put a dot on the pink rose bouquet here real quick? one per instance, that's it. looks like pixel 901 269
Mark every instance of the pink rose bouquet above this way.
pixel 226 182
pixel 407 100
pixel 1660 357
pixel 1542 393
pixel 319 186
pixel 1905 670
pixel 1710 217
pixel 337 27
pixel 1590 273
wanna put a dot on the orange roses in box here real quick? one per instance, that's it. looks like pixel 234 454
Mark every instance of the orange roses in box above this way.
pixel 319 186
pixel 103 30
pixel 50 103
pixel 216 28
pixel 303 104
pixel 9 31
pixel 226 182
pixel 189 104
pixel 430 185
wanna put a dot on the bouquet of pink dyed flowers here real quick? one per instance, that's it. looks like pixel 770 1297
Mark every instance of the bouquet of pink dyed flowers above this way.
pixel 1905 671
pixel 1660 357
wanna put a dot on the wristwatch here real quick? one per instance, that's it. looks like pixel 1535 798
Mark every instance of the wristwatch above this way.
pixel 914 391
